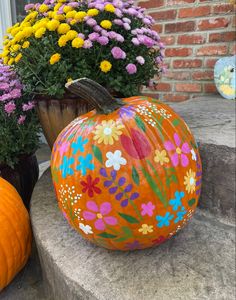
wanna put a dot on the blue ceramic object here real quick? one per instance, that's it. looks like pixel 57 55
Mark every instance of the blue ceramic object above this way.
pixel 225 77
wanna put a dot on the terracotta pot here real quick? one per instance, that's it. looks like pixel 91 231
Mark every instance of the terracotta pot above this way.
pixel 23 177
pixel 55 115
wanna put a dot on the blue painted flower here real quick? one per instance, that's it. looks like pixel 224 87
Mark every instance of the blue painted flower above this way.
pixel 164 221
pixel 65 166
pixel 79 145
pixel 180 215
pixel 127 112
pixel 85 163
pixel 176 202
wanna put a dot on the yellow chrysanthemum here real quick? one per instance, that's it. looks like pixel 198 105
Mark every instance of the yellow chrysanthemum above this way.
pixel 41 24
pixel 31 16
pixel 71 34
pixel 145 229
pixel 5 60
pixel 19 36
pixel 11 61
pixel 80 15
pixel 92 12
pixel 55 58
pixel 110 8
pixel 63 28
pixel 73 22
pixel 71 14
pixel 62 41
pixel 67 8
pixel 43 8
pixel 57 6
pixel 18 57
pixel 190 181
pixel 53 25
pixel 105 66
pixel 161 157
pixel 106 24
pixel 14 31
pixel 61 1
pixel 107 132
pixel 15 48
pixel 5 53
pixel 59 17
pixel 77 42
pixel 6 42
pixel 28 31
pixel 40 32
pixel 26 45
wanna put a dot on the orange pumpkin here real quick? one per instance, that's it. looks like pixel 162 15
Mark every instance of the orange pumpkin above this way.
pixel 128 174
pixel 15 233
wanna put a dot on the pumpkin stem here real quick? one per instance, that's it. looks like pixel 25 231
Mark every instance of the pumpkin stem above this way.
pixel 94 94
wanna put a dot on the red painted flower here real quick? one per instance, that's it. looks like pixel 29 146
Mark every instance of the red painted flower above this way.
pixel 90 186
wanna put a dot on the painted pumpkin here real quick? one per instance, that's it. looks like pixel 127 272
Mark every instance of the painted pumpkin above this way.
pixel 15 233
pixel 128 174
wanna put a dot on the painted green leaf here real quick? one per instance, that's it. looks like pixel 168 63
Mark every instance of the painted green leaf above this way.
pixel 140 123
pixel 55 175
pixel 191 202
pixel 129 218
pixel 107 235
pixel 97 153
pixel 135 176
pixel 127 231
pixel 176 122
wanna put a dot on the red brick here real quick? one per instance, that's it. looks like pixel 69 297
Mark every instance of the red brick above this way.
pixel 233 50
pixel 191 39
pixel 210 88
pixel 164 15
pixel 223 8
pixel 193 12
pixel 151 95
pixel 188 63
pixel 212 50
pixel 176 97
pixel 177 75
pixel 163 87
pixel 168 40
pixel 188 87
pixel 170 52
pixel 152 3
pixel 210 63
pixel 158 28
pixel 213 23
pixel 228 36
pixel 234 21
pixel 203 75
pixel 180 27
pixel 177 2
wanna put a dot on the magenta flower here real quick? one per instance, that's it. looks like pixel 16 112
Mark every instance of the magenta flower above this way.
pixel 29 7
pixel 93 36
pixel 97 28
pixel 28 106
pixel 147 209
pixel 99 214
pixel 118 53
pixel 118 22
pixel 87 44
pixel 140 60
pixel 91 22
pixel 10 107
pixel 21 120
pixel 178 152
pixel 112 35
pixel 4 86
pixel 135 41
pixel 103 40
pixel 131 69
pixel 126 26
pixel 120 38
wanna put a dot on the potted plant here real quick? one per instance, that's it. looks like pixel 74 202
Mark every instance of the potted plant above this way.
pixel 19 130
pixel 59 40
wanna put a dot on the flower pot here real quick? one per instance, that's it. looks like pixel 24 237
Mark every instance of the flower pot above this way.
pixel 23 177
pixel 55 115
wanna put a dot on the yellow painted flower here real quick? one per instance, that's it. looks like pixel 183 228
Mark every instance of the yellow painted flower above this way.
pixel 53 25
pixel 63 28
pixel 106 24
pixel 105 66
pixel 55 58
pixel 71 34
pixel 26 45
pixel 109 7
pixel 80 15
pixel 62 41
pixel 227 90
pixel 92 12
pixel 190 181
pixel 43 8
pixel 145 229
pixel 39 33
pixel 18 57
pixel 161 157
pixel 71 14
pixel 77 42
pixel 67 8
pixel 107 132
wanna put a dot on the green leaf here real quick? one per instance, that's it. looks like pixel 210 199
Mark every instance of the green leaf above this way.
pixel 127 231
pixel 140 123
pixel 176 122
pixel 107 235
pixel 97 153
pixel 135 176
pixel 129 218
pixel 191 202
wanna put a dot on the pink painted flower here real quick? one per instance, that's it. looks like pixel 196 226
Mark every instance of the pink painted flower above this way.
pixel 63 148
pixel 131 69
pixel 178 152
pixel 147 209
pixel 99 214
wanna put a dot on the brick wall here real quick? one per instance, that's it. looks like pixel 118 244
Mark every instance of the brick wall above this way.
pixel 196 34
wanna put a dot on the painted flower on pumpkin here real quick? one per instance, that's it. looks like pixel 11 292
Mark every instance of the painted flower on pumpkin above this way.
pixel 133 246
pixel 85 228
pixel 63 148
pixel 147 209
pixel 85 163
pixel 99 214
pixel 145 229
pixel 180 215
pixel 160 157
pixel 115 160
pixel 176 202
pixel 190 181
pixel 165 220
pixel 178 152
pixel 107 132
pixel 194 156
pixel 90 186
